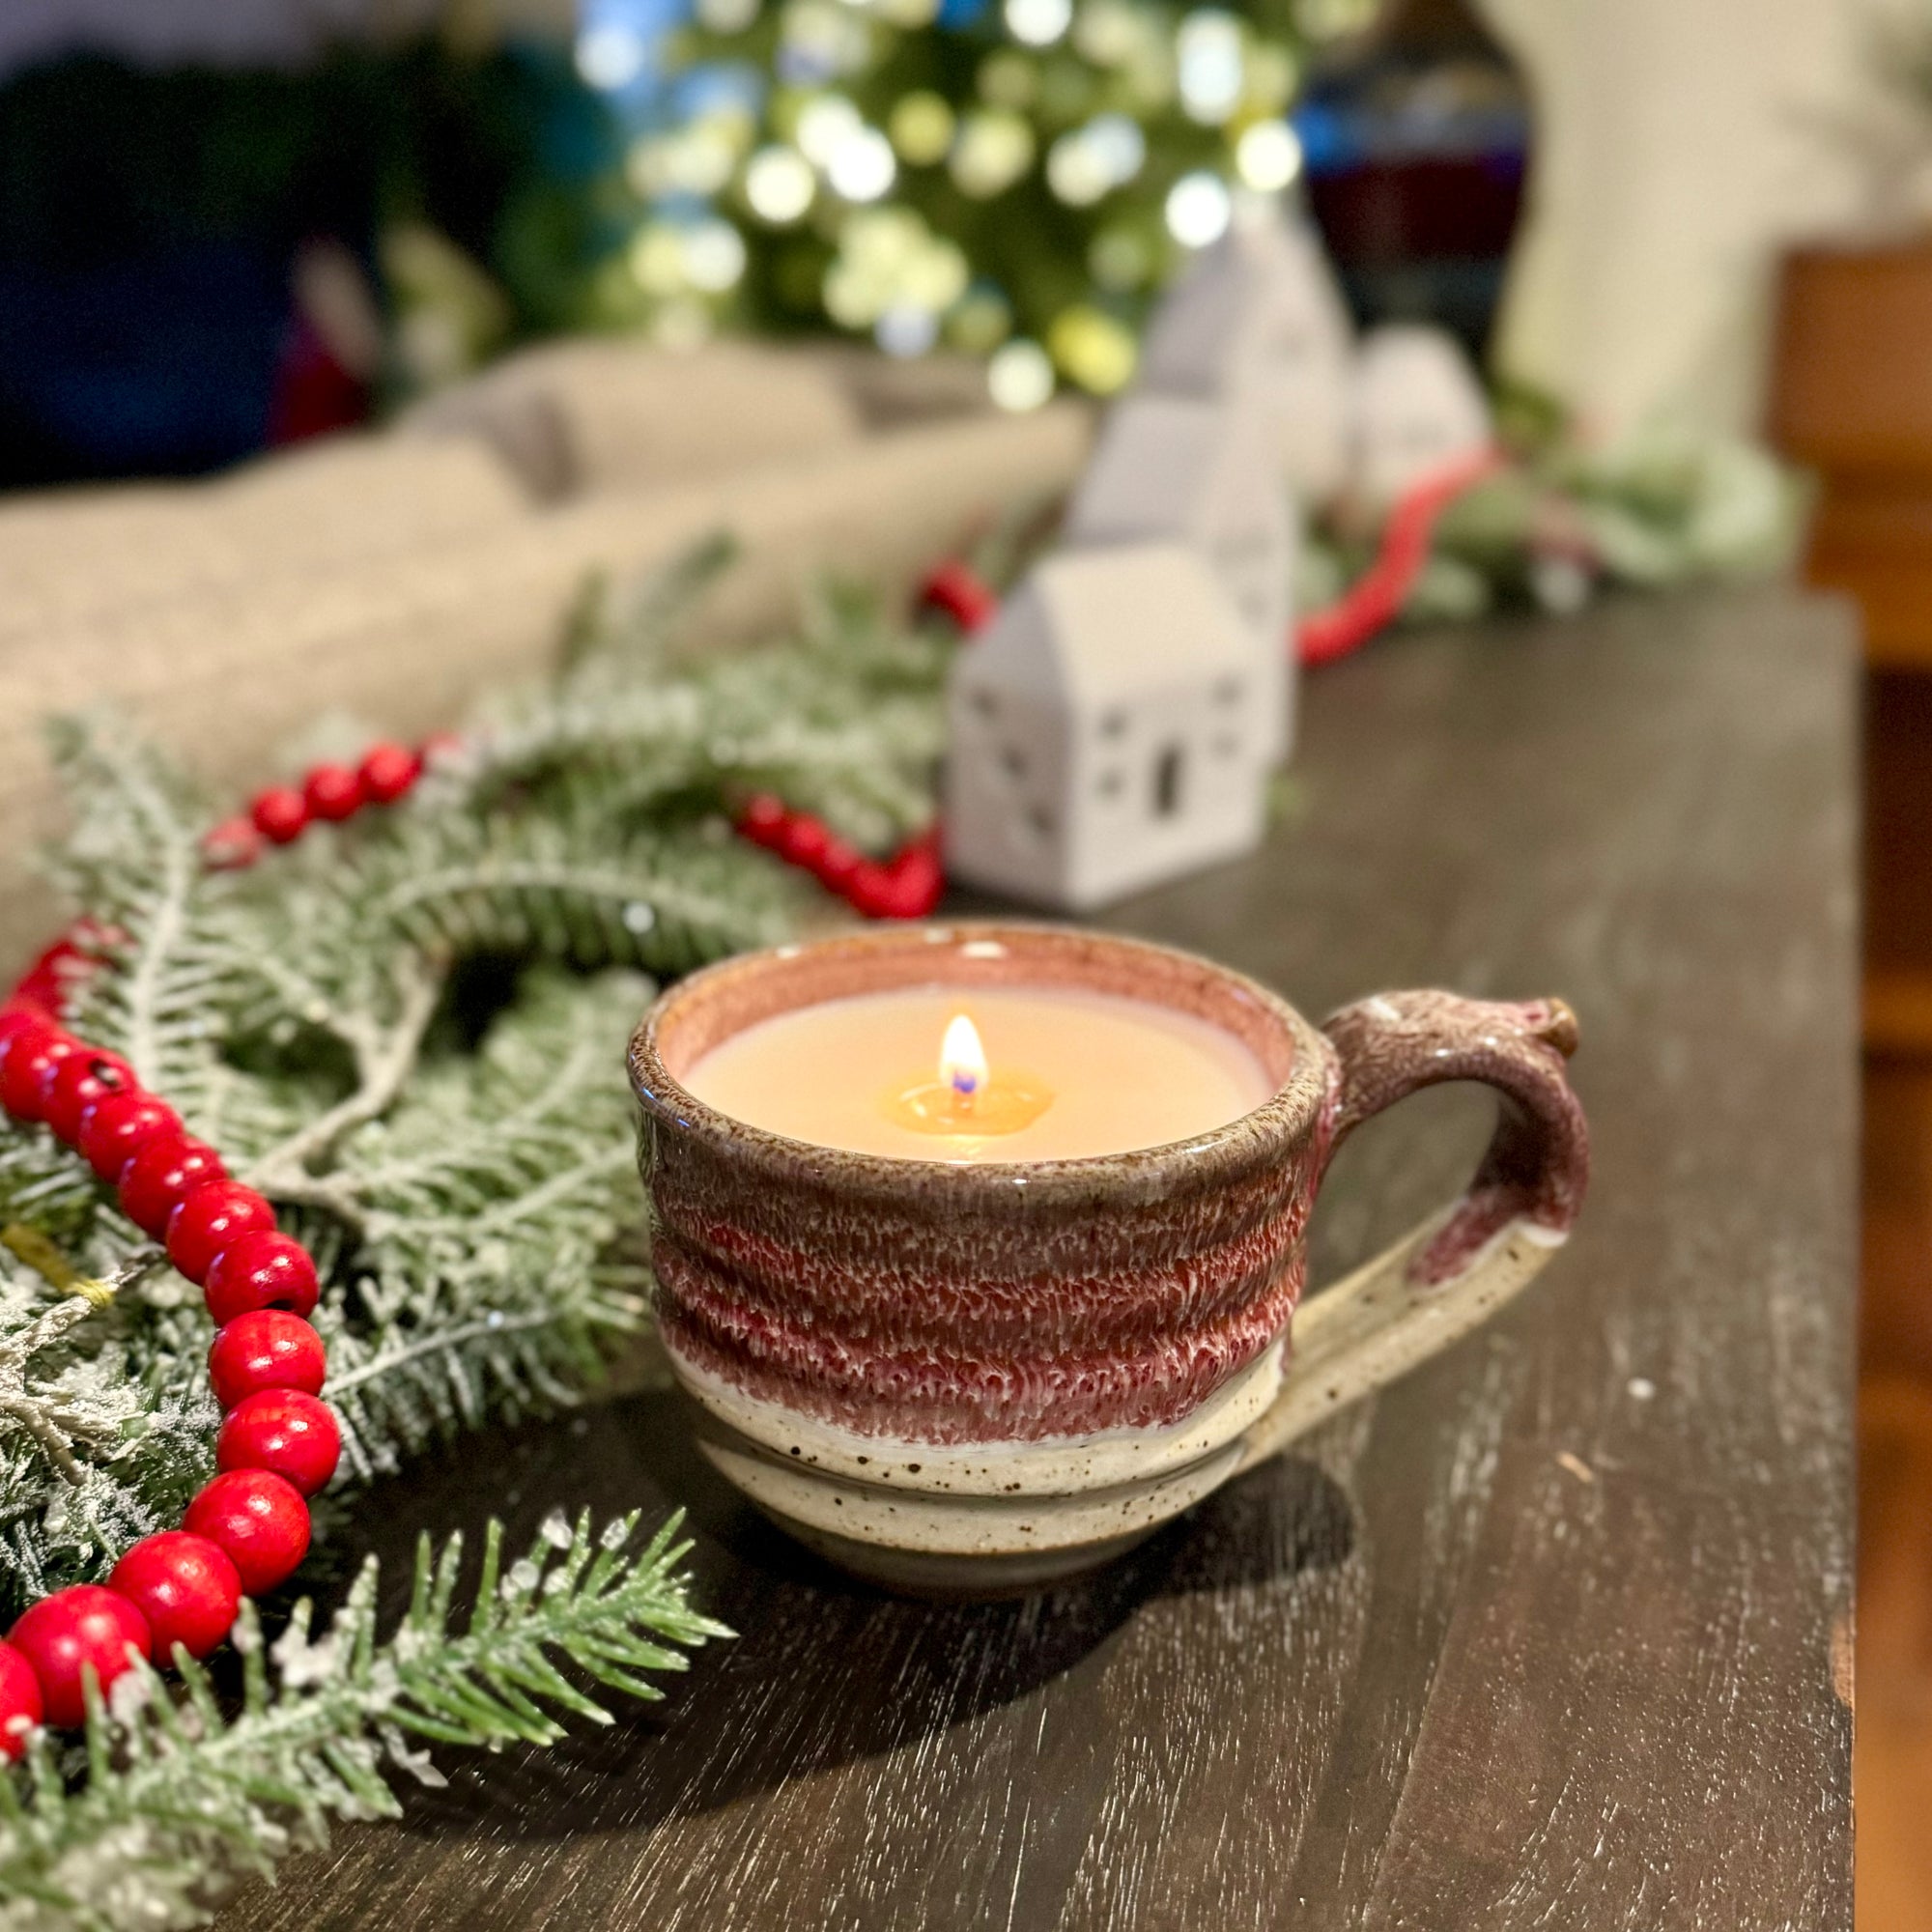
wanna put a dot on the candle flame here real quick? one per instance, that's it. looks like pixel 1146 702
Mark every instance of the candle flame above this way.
pixel 963 1059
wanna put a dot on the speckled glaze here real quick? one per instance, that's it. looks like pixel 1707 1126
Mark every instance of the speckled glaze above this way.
pixel 969 1377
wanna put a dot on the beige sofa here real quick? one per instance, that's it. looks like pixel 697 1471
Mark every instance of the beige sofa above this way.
pixel 391 574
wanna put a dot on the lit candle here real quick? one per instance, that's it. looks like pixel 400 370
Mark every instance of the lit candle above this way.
pixel 985 1073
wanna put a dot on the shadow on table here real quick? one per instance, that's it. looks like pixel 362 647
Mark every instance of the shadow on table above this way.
pixel 825 1670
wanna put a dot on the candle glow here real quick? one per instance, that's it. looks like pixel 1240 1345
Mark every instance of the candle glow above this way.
pixel 968 1099
pixel 963 1059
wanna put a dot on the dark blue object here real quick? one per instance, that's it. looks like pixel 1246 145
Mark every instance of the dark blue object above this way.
pixel 1416 139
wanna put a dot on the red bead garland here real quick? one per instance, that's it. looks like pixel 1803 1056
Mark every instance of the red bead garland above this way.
pixel 327 794
pixel 387 771
pixel 280 815
pixel 186 1588
pixel 285 1432
pixel 70 1087
pixel 28 1059
pixel 333 792
pixel 957 592
pixel 20 1704
pixel 906 887
pixel 63 1634
pixel 207 1219
pixel 247 1529
pixel 258 1521
pixel 261 1269
pixel 161 1175
pixel 265 1347
pixel 118 1125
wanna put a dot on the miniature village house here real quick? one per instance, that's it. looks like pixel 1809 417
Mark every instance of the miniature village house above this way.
pixel 1418 408
pixel 1258 323
pixel 1202 474
pixel 1106 732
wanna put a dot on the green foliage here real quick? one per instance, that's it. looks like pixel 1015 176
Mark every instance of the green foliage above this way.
pixel 181 1794
pixel 409 1032
pixel 1014 167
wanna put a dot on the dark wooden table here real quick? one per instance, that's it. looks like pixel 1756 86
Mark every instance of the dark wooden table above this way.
pixel 1555 1634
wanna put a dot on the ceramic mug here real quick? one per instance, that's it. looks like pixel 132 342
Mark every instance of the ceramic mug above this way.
pixel 971 1379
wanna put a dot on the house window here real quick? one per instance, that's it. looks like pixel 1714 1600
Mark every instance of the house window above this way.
pixel 1167 776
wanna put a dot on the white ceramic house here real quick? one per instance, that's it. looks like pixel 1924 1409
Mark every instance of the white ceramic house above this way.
pixel 1259 323
pixel 1419 407
pixel 1105 730
pixel 1195 472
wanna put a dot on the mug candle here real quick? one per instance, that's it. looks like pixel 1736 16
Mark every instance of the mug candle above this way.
pixel 968 1075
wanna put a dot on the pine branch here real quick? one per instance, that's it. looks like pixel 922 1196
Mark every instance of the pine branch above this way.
pixel 182 1797
pixel 385 1055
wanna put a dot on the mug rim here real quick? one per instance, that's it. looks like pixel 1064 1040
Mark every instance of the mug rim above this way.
pixel 1268 1129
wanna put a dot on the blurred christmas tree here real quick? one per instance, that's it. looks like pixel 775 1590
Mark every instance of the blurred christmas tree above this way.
pixel 1014 179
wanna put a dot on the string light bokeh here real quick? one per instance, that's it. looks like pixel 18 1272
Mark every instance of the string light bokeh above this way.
pixel 1015 180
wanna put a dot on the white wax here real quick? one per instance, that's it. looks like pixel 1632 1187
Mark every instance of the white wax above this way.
pixel 1123 1073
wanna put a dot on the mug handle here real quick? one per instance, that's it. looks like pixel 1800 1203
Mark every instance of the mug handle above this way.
pixel 1459 1267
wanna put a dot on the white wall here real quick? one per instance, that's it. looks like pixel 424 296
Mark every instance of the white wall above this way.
pixel 1680 145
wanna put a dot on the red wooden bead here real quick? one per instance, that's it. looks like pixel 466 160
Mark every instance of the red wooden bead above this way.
pixel 871 889
pixel 266 1348
pixel 333 792
pixel 916 881
pixel 117 1127
pixel 62 1635
pixel 957 592
pixel 163 1174
pixel 388 771
pixel 279 814
pixel 207 1219
pixel 802 841
pixel 284 1431
pixel 184 1586
pixel 232 846
pixel 21 1708
pixel 258 1520
pixel 764 819
pixel 837 864
pixel 259 1269
pixel 72 1085
pixel 28 1058
pixel 19 1017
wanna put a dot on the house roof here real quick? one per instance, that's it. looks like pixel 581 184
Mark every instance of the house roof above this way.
pixel 1130 620
pixel 1221 311
pixel 1169 466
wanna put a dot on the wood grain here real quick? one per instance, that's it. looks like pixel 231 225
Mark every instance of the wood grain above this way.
pixel 1545 1637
